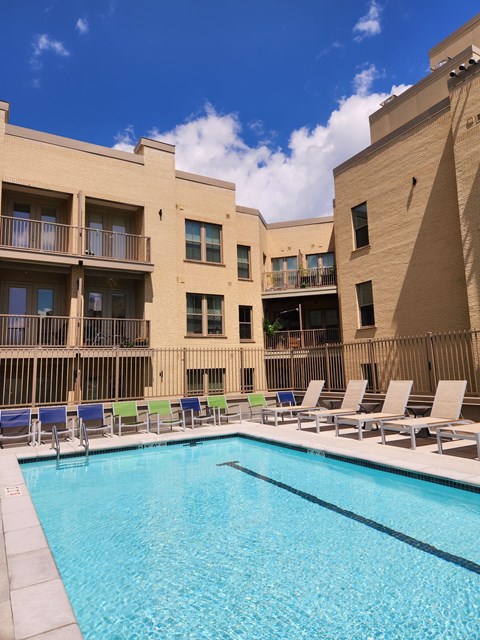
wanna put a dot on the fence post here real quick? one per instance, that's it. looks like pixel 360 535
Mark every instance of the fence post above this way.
pixel 185 372
pixel 327 367
pixel 432 368
pixel 372 365
pixel 242 367
pixel 34 377
pixel 117 372
pixel 291 386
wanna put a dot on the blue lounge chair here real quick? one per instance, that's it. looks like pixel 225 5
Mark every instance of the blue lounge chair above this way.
pixel 16 424
pixel 49 417
pixel 92 417
pixel 197 415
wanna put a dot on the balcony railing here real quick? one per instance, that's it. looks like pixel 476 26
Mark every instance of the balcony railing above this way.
pixel 63 331
pixel 115 245
pixel 299 279
pixel 307 338
pixel 35 235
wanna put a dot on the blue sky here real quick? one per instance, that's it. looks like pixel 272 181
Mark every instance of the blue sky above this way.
pixel 270 94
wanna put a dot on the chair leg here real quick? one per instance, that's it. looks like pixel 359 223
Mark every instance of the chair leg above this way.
pixel 413 438
pixel 439 443
pixel 360 430
pixel 382 433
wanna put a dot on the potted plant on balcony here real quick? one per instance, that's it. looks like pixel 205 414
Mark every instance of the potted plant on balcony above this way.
pixel 270 329
pixel 304 277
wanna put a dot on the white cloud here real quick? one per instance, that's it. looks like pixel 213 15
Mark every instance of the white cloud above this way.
pixel 283 184
pixel 43 44
pixel 369 24
pixel 125 140
pixel 82 26
pixel 362 82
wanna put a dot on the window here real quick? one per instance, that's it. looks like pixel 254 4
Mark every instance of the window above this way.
pixel 320 260
pixel 32 225
pixel 203 242
pixel 284 272
pixel 247 380
pixel 365 304
pixel 199 380
pixel 111 233
pixel 204 314
pixel 243 262
pixel 245 322
pixel 360 225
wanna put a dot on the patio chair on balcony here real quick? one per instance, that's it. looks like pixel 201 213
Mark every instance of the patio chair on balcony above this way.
pixel 310 401
pixel 394 406
pixel 16 424
pixel 126 415
pixel 350 404
pixel 50 417
pixel 193 407
pixel 222 410
pixel 160 414
pixel 446 412
pixel 92 417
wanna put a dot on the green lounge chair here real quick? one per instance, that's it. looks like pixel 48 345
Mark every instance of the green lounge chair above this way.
pixel 221 410
pixel 160 414
pixel 126 414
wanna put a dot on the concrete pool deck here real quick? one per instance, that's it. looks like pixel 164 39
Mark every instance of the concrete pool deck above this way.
pixel 33 601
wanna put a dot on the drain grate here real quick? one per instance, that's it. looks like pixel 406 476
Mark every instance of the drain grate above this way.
pixel 13 491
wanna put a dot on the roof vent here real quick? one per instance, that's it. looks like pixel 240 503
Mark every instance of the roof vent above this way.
pixel 388 100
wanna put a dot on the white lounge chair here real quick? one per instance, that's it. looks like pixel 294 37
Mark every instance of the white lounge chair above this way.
pixel 351 402
pixel 310 401
pixel 394 406
pixel 460 432
pixel 446 411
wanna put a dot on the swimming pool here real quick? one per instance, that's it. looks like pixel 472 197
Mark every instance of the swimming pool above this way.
pixel 172 543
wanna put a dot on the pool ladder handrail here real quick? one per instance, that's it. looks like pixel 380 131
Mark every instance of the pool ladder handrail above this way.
pixel 84 439
pixel 55 442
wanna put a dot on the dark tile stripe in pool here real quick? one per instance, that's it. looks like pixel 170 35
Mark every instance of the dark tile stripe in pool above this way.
pixel 373 524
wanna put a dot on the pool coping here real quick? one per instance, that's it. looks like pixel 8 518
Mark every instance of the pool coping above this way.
pixel 33 601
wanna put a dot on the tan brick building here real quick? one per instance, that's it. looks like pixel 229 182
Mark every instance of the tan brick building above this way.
pixel 108 257
pixel 121 276
pixel 406 214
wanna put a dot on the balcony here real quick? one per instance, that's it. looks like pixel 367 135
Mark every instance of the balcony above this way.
pixel 53 238
pixel 35 235
pixel 114 245
pixel 63 331
pixel 305 339
pixel 295 279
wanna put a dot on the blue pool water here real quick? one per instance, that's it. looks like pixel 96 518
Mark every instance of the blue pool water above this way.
pixel 163 543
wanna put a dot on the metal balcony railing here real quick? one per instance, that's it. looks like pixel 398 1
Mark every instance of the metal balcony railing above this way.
pixel 121 332
pixel 35 235
pixel 63 331
pixel 307 338
pixel 115 245
pixel 299 279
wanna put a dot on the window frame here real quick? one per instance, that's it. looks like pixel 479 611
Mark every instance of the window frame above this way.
pixel 206 316
pixel 242 264
pixel 359 229
pixel 242 323
pixel 204 244
pixel 365 308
